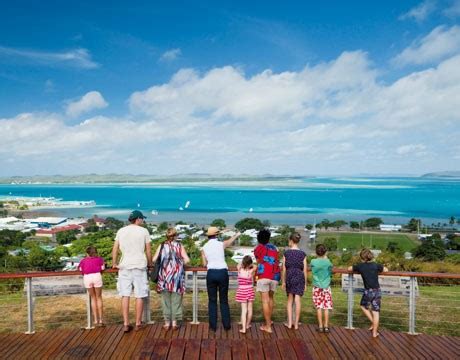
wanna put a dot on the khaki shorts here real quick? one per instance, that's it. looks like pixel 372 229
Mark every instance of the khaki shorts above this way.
pixel 266 285
pixel 133 278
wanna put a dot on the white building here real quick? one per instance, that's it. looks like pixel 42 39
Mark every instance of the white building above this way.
pixel 387 227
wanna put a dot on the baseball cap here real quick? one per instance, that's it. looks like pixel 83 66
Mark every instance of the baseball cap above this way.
pixel 136 214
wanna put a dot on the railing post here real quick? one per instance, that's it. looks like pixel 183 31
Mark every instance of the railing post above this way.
pixel 350 297
pixel 30 307
pixel 146 314
pixel 89 315
pixel 195 298
pixel 412 306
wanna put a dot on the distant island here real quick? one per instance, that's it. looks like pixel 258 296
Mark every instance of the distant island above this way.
pixel 443 174
pixel 142 178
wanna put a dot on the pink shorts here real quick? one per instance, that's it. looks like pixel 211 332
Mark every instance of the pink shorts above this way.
pixel 92 280
pixel 322 298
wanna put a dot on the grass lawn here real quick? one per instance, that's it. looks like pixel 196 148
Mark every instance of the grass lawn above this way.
pixel 355 241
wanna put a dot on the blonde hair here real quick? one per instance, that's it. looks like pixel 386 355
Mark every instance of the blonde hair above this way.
pixel 171 233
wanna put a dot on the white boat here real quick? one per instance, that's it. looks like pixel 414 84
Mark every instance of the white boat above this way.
pixel 154 212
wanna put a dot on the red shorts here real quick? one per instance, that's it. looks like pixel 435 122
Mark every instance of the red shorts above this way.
pixel 322 298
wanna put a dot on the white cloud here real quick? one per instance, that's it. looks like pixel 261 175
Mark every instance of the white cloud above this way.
pixel 88 102
pixel 333 117
pixel 412 149
pixel 420 12
pixel 171 55
pixel 79 58
pixel 453 10
pixel 437 45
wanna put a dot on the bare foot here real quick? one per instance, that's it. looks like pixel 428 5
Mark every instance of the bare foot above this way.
pixel 287 325
pixel 243 331
pixel 375 335
pixel 268 330
pixel 248 326
pixel 371 328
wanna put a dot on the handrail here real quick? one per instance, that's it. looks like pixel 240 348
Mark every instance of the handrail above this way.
pixel 231 268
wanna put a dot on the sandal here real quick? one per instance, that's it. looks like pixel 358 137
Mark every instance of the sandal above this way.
pixel 320 330
pixel 326 330
pixel 127 328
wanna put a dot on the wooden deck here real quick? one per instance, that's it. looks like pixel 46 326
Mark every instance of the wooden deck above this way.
pixel 197 342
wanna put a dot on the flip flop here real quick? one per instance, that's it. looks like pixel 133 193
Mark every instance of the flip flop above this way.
pixel 127 328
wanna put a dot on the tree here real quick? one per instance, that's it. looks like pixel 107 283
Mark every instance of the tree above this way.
pixel 453 242
pixel 43 260
pixel 280 241
pixel 245 240
pixel 354 225
pixel 66 237
pixel 452 220
pixel 12 238
pixel 220 223
pixel 249 223
pixel 163 226
pixel 324 224
pixel 430 251
pixel 373 222
pixel 309 226
pixel 415 224
pixel 393 247
pixel 330 243
pixel 338 224
pixel 113 224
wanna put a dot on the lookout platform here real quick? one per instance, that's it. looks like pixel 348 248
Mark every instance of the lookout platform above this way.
pixel 197 342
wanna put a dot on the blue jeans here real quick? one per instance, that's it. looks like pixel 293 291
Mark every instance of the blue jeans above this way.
pixel 217 281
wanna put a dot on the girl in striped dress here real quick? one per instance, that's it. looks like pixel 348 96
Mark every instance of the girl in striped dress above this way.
pixel 245 292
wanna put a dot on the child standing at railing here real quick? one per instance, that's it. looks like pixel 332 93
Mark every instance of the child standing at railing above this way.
pixel 321 269
pixel 372 295
pixel 91 267
pixel 245 292
pixel 294 278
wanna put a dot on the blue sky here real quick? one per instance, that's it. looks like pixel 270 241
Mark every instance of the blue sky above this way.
pixel 299 87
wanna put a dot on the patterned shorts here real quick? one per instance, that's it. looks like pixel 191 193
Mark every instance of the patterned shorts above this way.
pixel 322 298
pixel 373 298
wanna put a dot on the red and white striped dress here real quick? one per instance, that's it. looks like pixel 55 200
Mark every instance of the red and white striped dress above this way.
pixel 245 291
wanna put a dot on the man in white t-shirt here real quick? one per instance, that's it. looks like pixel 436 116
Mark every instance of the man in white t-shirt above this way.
pixel 134 243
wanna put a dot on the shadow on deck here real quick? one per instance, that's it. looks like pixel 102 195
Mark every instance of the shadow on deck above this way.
pixel 197 342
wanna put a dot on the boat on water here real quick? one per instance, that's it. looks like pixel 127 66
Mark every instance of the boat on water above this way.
pixel 154 212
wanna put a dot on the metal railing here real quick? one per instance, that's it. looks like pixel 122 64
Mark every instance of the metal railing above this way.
pixel 429 304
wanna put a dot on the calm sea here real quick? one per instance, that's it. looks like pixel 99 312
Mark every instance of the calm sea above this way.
pixel 295 201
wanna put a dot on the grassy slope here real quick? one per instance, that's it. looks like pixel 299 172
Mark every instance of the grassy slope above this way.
pixel 351 240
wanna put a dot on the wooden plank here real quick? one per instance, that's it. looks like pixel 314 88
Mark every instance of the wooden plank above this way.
pixel 301 349
pixel 160 350
pixel 192 349
pixel 67 344
pixel 84 347
pixel 136 343
pixel 321 349
pixel 145 347
pixel 348 339
pixel 339 349
pixel 400 345
pixel 208 349
pixel 362 340
pixel 270 349
pixel 59 338
pixel 205 330
pixel 255 350
pixel 239 349
pixel 285 348
pixel 223 349
pixel 109 346
pixel 26 347
pixel 177 349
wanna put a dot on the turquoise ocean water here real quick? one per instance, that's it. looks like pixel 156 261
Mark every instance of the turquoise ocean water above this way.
pixel 287 201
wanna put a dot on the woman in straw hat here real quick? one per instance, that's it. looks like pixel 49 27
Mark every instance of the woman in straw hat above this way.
pixel 213 256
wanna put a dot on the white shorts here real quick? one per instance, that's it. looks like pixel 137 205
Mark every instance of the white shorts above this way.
pixel 92 280
pixel 133 278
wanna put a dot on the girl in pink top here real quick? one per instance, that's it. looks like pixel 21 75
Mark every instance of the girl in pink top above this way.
pixel 91 267
pixel 245 292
